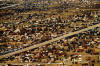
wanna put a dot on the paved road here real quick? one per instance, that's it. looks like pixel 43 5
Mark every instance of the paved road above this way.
pixel 10 6
pixel 30 63
pixel 68 10
pixel 47 42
